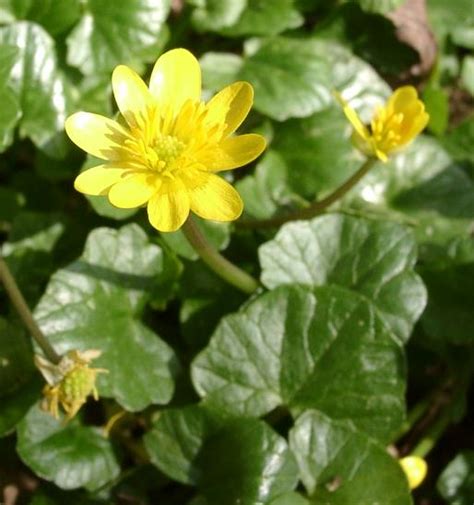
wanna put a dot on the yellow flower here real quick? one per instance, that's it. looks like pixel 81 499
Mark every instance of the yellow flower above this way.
pixel 415 469
pixel 165 149
pixel 70 382
pixel 392 127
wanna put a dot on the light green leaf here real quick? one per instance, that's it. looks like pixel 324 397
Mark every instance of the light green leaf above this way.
pixel 381 6
pixel 329 350
pixel 456 483
pixel 219 69
pixel 217 14
pixel 289 499
pixel 290 78
pixel 437 106
pixel 41 89
pixel 467 74
pixel 246 462
pixel 113 33
pixel 373 258
pixel 96 303
pixel 69 455
pixel 339 465
pixel 459 141
pixel 261 17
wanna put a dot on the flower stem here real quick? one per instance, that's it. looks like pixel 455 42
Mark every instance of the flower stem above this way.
pixel 221 266
pixel 18 301
pixel 317 207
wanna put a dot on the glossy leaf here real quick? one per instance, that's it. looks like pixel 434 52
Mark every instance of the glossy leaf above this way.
pixel 340 465
pixel 373 258
pixel 39 86
pixel 251 450
pixel 96 303
pixel 70 455
pixel 328 350
pixel 113 33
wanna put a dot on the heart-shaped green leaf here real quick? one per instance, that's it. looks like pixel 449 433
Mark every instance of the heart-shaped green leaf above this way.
pixel 96 303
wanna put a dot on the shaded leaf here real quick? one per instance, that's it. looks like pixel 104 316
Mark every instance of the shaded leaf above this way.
pixel 456 483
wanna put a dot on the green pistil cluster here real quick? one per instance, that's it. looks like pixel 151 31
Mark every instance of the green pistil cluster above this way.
pixel 166 148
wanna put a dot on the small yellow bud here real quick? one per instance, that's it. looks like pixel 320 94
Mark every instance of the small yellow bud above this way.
pixel 415 469
pixel 70 382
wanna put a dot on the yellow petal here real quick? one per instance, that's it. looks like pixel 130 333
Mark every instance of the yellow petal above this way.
pixel 133 191
pixel 353 117
pixel 231 106
pixel 132 95
pixel 97 135
pixel 168 209
pixel 176 77
pixel 415 469
pixel 401 99
pixel 214 198
pixel 233 152
pixel 98 180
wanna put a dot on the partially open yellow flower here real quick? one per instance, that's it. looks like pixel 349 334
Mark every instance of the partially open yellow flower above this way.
pixel 70 382
pixel 415 469
pixel 392 127
pixel 168 145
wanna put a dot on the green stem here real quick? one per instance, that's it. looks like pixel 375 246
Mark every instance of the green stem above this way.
pixel 430 438
pixel 317 207
pixel 222 267
pixel 18 301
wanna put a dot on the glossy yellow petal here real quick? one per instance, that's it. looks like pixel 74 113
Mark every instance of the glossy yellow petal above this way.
pixel 176 77
pixel 231 106
pixel 353 117
pixel 401 99
pixel 168 209
pixel 98 180
pixel 214 198
pixel 96 134
pixel 132 96
pixel 233 152
pixel 134 191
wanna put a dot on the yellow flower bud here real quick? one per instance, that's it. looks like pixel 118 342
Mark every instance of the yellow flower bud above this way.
pixel 415 469
pixel 70 382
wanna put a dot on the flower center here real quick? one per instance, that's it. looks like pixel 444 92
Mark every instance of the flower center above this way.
pixel 163 151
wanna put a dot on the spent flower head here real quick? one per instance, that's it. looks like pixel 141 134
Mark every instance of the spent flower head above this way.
pixel 70 382
pixel 165 149
pixel 393 126
pixel 415 469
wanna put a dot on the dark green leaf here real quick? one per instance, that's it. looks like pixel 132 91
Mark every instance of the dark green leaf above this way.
pixel 217 14
pixel 339 465
pixel 10 203
pixel 96 303
pixel 175 440
pixel 113 33
pixel 374 258
pixel 247 463
pixel 456 483
pixel 459 141
pixel 70 455
pixel 329 350
pixel 41 89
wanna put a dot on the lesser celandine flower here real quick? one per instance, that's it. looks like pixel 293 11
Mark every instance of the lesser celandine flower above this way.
pixel 392 127
pixel 415 469
pixel 70 382
pixel 168 145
